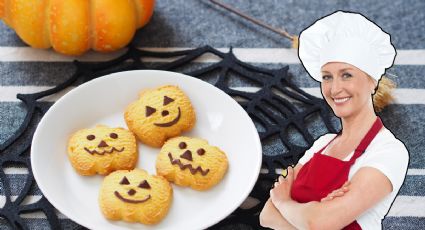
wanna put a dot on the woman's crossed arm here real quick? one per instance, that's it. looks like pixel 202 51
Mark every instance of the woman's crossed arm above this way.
pixel 367 187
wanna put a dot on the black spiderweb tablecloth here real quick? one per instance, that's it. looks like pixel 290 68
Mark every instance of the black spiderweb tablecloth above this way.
pixel 281 111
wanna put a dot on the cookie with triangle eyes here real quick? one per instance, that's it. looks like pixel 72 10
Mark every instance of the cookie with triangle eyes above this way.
pixel 102 149
pixel 159 114
pixel 191 162
pixel 135 196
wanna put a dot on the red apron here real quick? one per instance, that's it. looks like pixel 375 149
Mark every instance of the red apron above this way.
pixel 323 174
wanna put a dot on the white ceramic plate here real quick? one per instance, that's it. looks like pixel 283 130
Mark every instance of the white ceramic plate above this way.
pixel 220 120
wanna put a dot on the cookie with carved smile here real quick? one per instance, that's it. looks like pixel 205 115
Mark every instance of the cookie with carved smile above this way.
pixel 135 196
pixel 102 149
pixel 191 162
pixel 159 114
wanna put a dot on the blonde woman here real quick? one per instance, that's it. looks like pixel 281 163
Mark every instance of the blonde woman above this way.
pixel 350 179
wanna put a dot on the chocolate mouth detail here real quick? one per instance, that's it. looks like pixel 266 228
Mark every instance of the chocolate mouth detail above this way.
pixel 118 195
pixel 173 122
pixel 187 166
pixel 105 151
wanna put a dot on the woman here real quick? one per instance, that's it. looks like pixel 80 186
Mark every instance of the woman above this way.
pixel 350 179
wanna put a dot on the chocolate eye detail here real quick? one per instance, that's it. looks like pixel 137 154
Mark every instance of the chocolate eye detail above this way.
pixel 124 181
pixel 149 111
pixel 113 135
pixel 167 100
pixel 144 184
pixel 90 137
pixel 200 151
pixel 182 145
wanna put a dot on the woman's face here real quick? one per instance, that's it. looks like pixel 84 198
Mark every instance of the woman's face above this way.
pixel 346 88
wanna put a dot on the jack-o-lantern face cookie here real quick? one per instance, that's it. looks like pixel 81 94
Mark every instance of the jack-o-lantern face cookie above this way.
pixel 191 162
pixel 102 150
pixel 135 196
pixel 159 114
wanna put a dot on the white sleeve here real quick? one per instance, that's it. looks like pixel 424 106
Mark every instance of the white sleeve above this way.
pixel 391 159
pixel 307 156
pixel 317 145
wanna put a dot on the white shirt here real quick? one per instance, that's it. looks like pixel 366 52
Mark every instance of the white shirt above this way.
pixel 385 153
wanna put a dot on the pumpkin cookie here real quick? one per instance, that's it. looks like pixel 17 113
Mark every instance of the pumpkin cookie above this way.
pixel 191 162
pixel 135 196
pixel 102 150
pixel 159 114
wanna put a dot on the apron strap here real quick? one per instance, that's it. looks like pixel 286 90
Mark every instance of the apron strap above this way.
pixel 320 151
pixel 370 135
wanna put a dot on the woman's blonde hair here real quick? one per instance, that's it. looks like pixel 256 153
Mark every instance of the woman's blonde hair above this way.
pixel 383 94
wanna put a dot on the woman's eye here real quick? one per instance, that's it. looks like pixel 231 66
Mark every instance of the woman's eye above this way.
pixel 347 75
pixel 326 77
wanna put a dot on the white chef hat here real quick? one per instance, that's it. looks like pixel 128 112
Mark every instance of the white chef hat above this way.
pixel 346 37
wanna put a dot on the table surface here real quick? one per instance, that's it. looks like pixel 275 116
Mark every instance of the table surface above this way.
pixel 193 23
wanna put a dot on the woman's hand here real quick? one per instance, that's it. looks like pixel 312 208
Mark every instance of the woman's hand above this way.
pixel 282 188
pixel 337 192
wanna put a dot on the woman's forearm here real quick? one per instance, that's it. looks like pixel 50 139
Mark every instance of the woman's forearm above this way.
pixel 270 217
pixel 300 215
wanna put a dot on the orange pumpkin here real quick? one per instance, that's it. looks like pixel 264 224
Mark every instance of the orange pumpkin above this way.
pixel 74 26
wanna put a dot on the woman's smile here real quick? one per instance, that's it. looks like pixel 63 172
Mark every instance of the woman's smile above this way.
pixel 341 100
